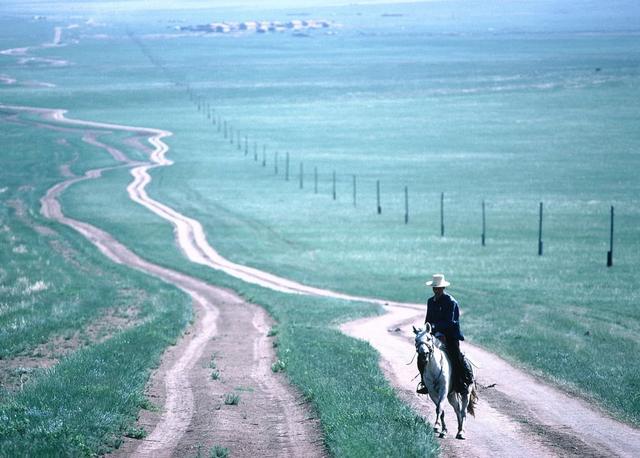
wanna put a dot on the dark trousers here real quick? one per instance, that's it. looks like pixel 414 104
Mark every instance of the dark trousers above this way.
pixel 461 372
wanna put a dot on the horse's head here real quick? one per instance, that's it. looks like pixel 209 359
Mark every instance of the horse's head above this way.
pixel 424 341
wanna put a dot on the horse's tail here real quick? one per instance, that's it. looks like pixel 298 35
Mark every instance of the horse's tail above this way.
pixel 473 399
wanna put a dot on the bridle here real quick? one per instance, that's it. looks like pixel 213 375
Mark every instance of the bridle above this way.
pixel 425 346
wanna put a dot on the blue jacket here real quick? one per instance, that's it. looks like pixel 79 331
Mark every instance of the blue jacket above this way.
pixel 444 316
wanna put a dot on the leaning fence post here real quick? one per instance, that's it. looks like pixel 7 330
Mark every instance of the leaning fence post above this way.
pixel 540 243
pixel 378 196
pixel 610 253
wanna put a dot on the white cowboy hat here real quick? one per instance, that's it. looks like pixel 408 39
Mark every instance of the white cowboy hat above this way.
pixel 438 281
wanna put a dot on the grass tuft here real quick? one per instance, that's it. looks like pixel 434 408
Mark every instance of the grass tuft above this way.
pixel 218 451
pixel 232 399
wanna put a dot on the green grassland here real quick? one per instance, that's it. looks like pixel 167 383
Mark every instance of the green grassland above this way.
pixel 563 315
pixel 359 411
pixel 63 301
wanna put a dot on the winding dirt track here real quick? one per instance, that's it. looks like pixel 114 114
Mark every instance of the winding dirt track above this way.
pixel 232 332
pixel 518 415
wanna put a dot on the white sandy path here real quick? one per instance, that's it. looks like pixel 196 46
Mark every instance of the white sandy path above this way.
pixel 293 435
pixel 544 406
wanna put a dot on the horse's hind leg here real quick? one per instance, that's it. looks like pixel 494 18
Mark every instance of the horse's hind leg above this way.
pixel 461 412
pixel 436 424
pixel 443 431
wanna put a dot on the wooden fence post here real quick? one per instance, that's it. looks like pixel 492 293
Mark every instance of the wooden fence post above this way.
pixel 286 167
pixel 484 227
pixel 334 185
pixel 354 190
pixel 301 175
pixel 379 208
pixel 540 243
pixel 315 180
pixel 406 205
pixel 610 253
pixel 442 214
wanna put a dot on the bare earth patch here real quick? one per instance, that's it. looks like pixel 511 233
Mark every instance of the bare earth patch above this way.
pixel 16 371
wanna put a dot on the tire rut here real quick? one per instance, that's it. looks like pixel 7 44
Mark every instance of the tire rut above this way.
pixel 184 421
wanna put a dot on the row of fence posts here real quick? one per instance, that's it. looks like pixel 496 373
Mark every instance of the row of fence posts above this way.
pixel 227 132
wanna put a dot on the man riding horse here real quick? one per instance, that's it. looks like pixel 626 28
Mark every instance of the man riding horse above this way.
pixel 443 314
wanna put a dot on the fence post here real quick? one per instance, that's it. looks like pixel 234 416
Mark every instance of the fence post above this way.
pixel 264 155
pixel 255 151
pixel 301 175
pixel 246 145
pixel 379 208
pixel 286 167
pixel 334 185
pixel 442 214
pixel 238 141
pixel 540 243
pixel 230 135
pixel 610 253
pixel 484 225
pixel 354 190
pixel 315 180
pixel 226 128
pixel 406 205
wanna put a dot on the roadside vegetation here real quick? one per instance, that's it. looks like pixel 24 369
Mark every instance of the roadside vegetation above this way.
pixel 79 335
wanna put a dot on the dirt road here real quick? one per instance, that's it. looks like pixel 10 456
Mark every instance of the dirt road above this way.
pixel 227 332
pixel 518 415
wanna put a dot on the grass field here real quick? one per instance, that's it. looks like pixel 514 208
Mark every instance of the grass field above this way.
pixel 429 112
pixel 80 335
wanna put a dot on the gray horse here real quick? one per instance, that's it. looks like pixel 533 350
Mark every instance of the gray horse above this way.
pixel 436 377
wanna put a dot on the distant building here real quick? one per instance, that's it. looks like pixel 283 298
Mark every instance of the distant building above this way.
pixel 248 25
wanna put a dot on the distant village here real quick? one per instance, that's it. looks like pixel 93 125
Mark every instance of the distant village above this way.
pixel 295 25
